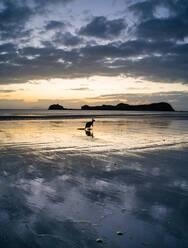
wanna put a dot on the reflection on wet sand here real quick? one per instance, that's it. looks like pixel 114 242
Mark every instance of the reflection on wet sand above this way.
pixel 89 133
pixel 112 134
pixel 62 188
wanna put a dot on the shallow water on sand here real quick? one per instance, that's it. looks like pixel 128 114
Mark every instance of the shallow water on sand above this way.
pixel 63 187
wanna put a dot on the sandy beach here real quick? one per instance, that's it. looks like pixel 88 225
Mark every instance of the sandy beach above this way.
pixel 64 187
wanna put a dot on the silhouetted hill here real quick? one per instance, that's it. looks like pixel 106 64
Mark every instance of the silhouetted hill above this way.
pixel 162 106
pixel 55 107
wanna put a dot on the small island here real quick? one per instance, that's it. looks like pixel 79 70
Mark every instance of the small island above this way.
pixel 55 107
pixel 162 106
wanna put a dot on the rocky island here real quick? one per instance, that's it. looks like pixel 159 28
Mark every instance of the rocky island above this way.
pixel 55 107
pixel 162 106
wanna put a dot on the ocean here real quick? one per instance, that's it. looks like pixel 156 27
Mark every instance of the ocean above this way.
pixel 63 186
pixel 55 114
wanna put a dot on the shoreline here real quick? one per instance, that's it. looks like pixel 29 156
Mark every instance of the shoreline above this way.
pixel 134 115
pixel 61 117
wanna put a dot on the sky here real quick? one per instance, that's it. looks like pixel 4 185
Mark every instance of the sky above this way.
pixel 77 52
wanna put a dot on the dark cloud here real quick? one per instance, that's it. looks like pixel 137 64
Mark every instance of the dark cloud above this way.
pixel 143 9
pixel 67 39
pixel 171 26
pixel 100 27
pixel 154 54
pixel 132 48
pixel 168 28
pixel 148 8
pixel 161 61
pixel 43 3
pixel 7 48
pixel 51 25
pixel 7 53
pixel 81 89
pixel 14 16
pixel 7 91
pixel 12 20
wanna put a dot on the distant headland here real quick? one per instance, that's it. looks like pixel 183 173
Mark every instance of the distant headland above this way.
pixel 161 106
pixel 56 107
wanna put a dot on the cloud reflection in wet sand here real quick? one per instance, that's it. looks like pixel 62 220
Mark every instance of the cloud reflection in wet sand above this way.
pixel 62 188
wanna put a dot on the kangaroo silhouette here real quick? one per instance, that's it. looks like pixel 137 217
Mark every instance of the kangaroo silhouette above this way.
pixel 89 124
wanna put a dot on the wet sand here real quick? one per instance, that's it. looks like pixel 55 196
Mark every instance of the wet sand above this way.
pixel 63 187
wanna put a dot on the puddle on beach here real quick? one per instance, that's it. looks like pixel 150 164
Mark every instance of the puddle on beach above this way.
pixel 62 187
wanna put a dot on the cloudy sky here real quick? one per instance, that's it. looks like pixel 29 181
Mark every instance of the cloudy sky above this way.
pixel 76 52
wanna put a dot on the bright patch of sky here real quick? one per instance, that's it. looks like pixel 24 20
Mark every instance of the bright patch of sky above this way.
pixel 162 12
pixel 85 88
